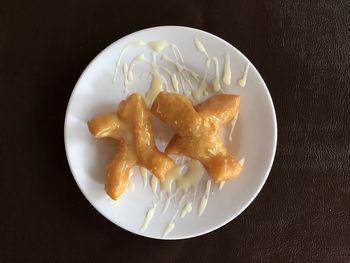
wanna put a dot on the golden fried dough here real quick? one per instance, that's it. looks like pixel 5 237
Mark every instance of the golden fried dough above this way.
pixel 197 130
pixel 131 127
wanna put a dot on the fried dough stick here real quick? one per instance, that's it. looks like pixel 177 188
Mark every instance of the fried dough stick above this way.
pixel 197 130
pixel 131 127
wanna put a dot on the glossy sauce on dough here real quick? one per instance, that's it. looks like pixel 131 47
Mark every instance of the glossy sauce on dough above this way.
pixel 131 127
pixel 197 130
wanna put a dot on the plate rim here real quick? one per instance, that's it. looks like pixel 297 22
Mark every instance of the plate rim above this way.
pixel 275 131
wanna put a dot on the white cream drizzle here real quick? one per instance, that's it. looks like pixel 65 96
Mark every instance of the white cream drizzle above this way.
pixel 143 172
pixel 180 67
pixel 169 227
pixel 154 60
pixel 178 56
pixel 175 82
pixel 202 205
pixel 158 46
pixel 216 80
pixel 134 61
pixel 167 203
pixel 242 81
pixel 131 185
pixel 204 199
pixel 172 175
pixel 139 43
pixel 202 84
pixel 184 182
pixel 227 70
pixel 157 83
pixel 185 75
pixel 186 210
pixel 233 124
pixel 201 88
pixel 182 199
pixel 126 82
pixel 186 89
pixel 241 161
pixel 200 47
pixel 173 78
pixel 192 177
pixel 149 216
pixel 207 188
pixel 154 185
pixel 221 185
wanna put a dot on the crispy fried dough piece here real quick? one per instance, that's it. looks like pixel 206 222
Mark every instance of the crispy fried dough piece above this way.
pixel 131 127
pixel 197 130
pixel 117 174
pixel 222 106
pixel 177 112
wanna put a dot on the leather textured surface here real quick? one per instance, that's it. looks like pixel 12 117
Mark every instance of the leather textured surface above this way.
pixel 300 47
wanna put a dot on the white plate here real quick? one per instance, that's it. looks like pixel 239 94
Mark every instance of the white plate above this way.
pixel 254 137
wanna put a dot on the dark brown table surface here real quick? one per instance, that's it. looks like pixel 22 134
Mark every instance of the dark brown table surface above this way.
pixel 300 47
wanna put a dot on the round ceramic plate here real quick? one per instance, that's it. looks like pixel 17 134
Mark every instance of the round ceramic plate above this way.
pixel 254 137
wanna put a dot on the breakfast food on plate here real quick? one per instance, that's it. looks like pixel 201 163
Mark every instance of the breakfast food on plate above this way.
pixel 197 130
pixel 131 127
